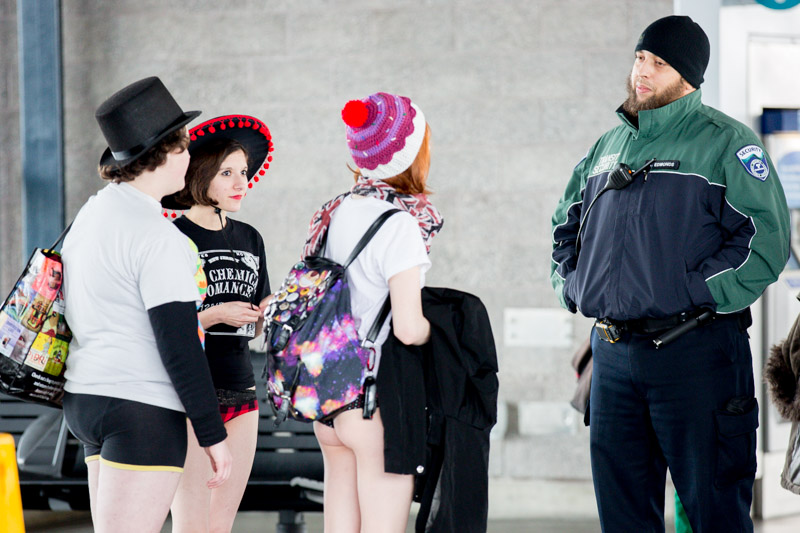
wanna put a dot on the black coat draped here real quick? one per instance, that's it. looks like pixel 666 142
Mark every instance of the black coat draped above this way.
pixel 438 404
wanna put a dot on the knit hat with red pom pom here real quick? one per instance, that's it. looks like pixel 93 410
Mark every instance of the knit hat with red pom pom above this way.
pixel 384 134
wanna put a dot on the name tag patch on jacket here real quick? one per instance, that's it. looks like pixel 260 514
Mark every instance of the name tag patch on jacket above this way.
pixel 754 161
pixel 671 164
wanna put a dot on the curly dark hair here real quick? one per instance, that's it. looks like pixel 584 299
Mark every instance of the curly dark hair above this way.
pixel 153 158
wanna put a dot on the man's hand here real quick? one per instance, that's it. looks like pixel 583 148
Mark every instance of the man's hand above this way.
pixel 221 463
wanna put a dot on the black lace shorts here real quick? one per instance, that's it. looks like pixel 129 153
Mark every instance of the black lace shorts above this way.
pixel 358 403
pixel 233 403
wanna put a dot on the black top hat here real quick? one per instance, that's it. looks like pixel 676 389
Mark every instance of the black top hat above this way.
pixel 135 118
pixel 249 131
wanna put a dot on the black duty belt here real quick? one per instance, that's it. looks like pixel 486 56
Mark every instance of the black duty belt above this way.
pixel 610 330
pixel 652 325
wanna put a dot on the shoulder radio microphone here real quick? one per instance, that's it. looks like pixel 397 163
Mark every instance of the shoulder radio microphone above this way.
pixel 622 176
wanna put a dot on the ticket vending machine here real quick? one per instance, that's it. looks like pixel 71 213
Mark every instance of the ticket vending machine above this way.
pixel 780 129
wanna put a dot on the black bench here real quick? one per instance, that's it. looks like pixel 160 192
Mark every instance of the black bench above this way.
pixel 286 477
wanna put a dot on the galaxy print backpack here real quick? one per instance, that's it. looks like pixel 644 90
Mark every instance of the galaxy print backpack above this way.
pixel 316 364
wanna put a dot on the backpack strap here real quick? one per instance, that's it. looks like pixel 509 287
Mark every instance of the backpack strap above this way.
pixel 371 231
pixel 379 320
pixel 387 304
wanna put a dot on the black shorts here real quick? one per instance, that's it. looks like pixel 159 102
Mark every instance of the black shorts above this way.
pixel 126 434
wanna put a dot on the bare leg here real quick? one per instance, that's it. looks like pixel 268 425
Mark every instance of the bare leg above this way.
pixel 225 500
pixel 196 508
pixel 384 499
pixel 342 513
pixel 93 467
pixel 132 501
pixel 192 502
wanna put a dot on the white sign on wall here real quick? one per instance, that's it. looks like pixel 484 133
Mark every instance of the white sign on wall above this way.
pixel 536 327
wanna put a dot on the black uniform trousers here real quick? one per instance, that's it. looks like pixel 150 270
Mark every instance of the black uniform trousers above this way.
pixel 688 406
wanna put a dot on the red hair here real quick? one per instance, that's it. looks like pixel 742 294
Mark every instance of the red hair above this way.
pixel 413 179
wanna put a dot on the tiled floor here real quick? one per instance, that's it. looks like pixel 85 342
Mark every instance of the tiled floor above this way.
pixel 255 522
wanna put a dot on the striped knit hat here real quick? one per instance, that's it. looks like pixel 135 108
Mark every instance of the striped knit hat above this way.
pixel 384 134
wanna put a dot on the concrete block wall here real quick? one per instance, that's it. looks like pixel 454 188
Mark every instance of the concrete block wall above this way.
pixel 515 92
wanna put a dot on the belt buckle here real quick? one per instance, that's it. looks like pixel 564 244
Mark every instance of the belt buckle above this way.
pixel 607 331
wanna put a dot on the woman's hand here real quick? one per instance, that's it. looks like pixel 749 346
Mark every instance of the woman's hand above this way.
pixel 262 307
pixel 265 302
pixel 236 314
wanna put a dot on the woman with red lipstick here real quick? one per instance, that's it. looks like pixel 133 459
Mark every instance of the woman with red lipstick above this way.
pixel 226 153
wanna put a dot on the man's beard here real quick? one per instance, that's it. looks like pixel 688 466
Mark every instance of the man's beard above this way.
pixel 657 99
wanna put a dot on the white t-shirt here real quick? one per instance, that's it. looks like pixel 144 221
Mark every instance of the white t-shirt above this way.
pixel 396 247
pixel 121 258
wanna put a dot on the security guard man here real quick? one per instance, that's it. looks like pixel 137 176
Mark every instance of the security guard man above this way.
pixel 674 219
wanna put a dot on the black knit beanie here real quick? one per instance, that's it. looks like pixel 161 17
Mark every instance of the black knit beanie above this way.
pixel 682 43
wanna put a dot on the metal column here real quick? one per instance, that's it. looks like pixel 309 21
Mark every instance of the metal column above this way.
pixel 41 121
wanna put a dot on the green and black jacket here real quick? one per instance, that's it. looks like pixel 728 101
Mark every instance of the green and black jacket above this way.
pixel 707 227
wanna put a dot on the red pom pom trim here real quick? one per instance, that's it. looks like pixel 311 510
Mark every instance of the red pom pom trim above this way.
pixel 355 113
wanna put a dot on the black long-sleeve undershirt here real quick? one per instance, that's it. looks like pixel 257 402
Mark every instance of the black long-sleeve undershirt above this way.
pixel 175 328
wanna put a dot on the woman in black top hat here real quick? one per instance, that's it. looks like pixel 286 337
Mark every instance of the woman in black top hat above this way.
pixel 137 368
pixel 227 152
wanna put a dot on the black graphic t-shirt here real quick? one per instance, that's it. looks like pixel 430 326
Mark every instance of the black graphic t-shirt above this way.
pixel 241 277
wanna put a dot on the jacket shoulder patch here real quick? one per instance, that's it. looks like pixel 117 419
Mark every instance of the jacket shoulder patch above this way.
pixel 754 161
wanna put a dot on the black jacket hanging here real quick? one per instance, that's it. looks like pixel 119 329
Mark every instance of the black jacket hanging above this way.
pixel 438 403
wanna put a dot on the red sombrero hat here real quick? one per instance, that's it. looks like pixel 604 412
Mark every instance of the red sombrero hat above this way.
pixel 252 133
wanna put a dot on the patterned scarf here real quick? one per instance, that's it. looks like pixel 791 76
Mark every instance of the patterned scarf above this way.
pixel 429 219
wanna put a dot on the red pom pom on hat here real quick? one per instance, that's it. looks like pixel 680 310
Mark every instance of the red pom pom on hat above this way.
pixel 355 113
